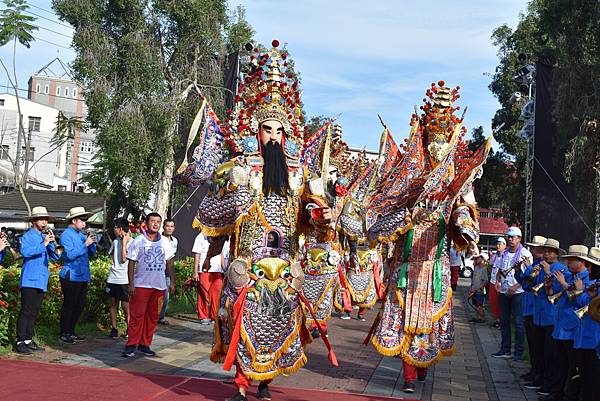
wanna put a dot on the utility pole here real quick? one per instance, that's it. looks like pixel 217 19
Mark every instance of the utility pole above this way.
pixel 17 161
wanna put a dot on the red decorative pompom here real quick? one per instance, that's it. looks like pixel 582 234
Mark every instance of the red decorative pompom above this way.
pixel 275 43
pixel 441 83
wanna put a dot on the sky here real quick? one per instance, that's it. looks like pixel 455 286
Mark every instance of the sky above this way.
pixel 357 59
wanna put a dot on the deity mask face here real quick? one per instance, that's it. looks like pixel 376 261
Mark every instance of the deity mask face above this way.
pixel 271 131
pixel 438 148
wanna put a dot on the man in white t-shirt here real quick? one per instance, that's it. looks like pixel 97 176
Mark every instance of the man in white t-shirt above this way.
pixel 211 281
pixel 511 294
pixel 168 230
pixel 150 254
pixel 117 288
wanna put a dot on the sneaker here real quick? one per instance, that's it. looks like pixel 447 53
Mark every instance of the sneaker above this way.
pixel 65 338
pixel 23 349
pixel 346 316
pixel 496 325
pixel 144 349
pixel 114 333
pixel 129 351
pixel 502 354
pixel 361 318
pixel 205 322
pixel 517 358
pixel 314 333
pixel 163 322
pixel 533 385
pixel 409 387
pixel 263 392
pixel 34 347
pixel 238 397
pixel 78 339
pixel 543 392
pixel 422 378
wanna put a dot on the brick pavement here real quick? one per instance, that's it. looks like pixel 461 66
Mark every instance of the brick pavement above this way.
pixel 469 374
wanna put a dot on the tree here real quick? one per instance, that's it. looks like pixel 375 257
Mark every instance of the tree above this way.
pixel 15 26
pixel 566 34
pixel 144 64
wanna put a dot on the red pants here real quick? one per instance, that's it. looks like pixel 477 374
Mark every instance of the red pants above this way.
pixel 410 372
pixel 494 304
pixel 242 381
pixel 209 294
pixel 454 276
pixel 361 311
pixel 144 310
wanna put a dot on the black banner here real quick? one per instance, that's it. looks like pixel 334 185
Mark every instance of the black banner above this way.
pixel 184 232
pixel 552 214
pixel 230 79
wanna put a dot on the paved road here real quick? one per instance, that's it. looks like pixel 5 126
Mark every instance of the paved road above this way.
pixel 470 374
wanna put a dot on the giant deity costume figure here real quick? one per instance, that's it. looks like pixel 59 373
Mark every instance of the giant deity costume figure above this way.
pixel 425 205
pixel 263 199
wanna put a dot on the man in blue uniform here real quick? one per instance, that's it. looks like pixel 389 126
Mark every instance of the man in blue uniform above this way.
pixel 75 274
pixel 536 246
pixel 566 324
pixel 544 313
pixel 587 335
pixel 37 248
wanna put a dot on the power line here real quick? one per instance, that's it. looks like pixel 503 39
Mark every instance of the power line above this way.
pixel 48 19
pixel 52 43
pixel 53 31
pixel 42 9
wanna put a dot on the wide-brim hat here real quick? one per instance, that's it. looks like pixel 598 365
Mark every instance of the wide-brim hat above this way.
pixel 554 244
pixel 582 252
pixel 537 240
pixel 39 212
pixel 77 212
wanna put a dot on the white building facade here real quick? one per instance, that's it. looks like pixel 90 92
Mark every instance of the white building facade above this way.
pixel 45 160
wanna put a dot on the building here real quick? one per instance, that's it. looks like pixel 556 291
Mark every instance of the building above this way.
pixel 54 86
pixel 492 224
pixel 13 212
pixel 39 122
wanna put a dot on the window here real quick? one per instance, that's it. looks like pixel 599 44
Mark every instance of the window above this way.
pixel 86 147
pixel 46 89
pixel 34 124
pixel 4 152
pixel 75 92
pixel 58 91
pixel 31 153
pixel 37 88
pixel 1 102
pixel 62 187
pixel 66 92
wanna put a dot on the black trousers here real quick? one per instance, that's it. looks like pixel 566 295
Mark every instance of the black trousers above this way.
pixel 75 296
pixel 31 301
pixel 530 336
pixel 544 346
pixel 565 367
pixel 589 369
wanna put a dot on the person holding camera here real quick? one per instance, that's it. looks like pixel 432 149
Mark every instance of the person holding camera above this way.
pixel 117 281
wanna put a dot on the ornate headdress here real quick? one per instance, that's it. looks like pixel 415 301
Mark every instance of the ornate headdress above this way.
pixel 269 92
pixel 441 128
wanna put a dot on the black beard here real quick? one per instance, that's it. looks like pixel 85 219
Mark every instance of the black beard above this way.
pixel 275 172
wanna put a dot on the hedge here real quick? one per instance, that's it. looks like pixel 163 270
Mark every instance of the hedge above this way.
pixel 97 307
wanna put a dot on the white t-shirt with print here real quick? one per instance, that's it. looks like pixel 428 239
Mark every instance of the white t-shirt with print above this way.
pixel 200 247
pixel 151 258
pixel 118 271
pixel 506 263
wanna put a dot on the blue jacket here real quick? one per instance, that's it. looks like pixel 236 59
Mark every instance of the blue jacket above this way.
pixel 2 254
pixel 544 313
pixel 529 297
pixel 587 335
pixel 76 255
pixel 567 322
pixel 35 260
